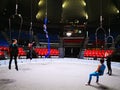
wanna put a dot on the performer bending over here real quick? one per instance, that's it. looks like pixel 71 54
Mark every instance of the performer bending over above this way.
pixel 30 46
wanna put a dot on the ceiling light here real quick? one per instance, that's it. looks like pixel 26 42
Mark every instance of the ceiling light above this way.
pixel 69 34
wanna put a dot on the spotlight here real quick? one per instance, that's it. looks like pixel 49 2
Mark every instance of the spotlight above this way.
pixel 79 31
pixel 118 11
pixel 68 34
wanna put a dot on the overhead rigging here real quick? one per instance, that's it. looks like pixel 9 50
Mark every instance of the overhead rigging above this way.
pixel 15 16
pixel 110 36
pixel 31 23
pixel 100 27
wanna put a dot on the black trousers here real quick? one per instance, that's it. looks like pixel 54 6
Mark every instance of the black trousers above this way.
pixel 30 52
pixel 109 68
pixel 15 59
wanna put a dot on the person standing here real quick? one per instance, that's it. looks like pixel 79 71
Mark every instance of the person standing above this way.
pixel 108 61
pixel 100 71
pixel 13 51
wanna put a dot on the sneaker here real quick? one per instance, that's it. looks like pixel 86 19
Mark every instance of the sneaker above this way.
pixel 87 84
pixel 97 83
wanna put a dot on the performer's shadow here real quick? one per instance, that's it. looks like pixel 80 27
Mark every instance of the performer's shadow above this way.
pixel 102 87
pixel 115 75
pixel 25 69
pixel 6 81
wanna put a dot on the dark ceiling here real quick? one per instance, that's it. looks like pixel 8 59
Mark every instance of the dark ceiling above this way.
pixel 94 8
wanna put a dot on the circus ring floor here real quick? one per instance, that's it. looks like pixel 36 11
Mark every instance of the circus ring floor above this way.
pixel 56 74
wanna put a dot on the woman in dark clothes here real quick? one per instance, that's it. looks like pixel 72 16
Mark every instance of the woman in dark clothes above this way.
pixel 13 50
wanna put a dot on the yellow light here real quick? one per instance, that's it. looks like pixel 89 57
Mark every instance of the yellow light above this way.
pixel 39 15
pixel 64 4
pixel 86 15
pixel 118 11
pixel 83 3
pixel 40 2
pixel 115 10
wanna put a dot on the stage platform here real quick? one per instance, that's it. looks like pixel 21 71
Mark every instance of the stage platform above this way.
pixel 56 74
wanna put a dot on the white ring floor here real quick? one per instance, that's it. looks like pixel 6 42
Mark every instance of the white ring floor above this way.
pixel 56 74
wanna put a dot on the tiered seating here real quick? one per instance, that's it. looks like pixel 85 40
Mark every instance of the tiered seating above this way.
pixel 43 51
pixel 41 37
pixel 3 41
pixel 6 49
pixel 2 55
pixel 23 38
pixel 97 53
pixel 54 52
pixel 21 52
pixel 3 48
pixel 53 38
pixel 23 34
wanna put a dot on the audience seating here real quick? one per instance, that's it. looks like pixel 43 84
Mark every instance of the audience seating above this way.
pixel 44 51
pixel 38 51
pixel 21 52
pixel 3 41
pixel 53 38
pixel 2 55
pixel 97 53
pixel 3 48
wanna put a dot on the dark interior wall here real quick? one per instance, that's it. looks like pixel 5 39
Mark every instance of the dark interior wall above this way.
pixel 54 11
pixel 72 51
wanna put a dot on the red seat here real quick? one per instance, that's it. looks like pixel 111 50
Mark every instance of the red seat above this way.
pixel 21 52
pixel 44 51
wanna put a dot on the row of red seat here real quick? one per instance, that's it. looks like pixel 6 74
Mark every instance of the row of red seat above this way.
pixel 44 51
pixel 39 51
pixel 3 48
pixel 2 55
pixel 21 52
pixel 97 53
